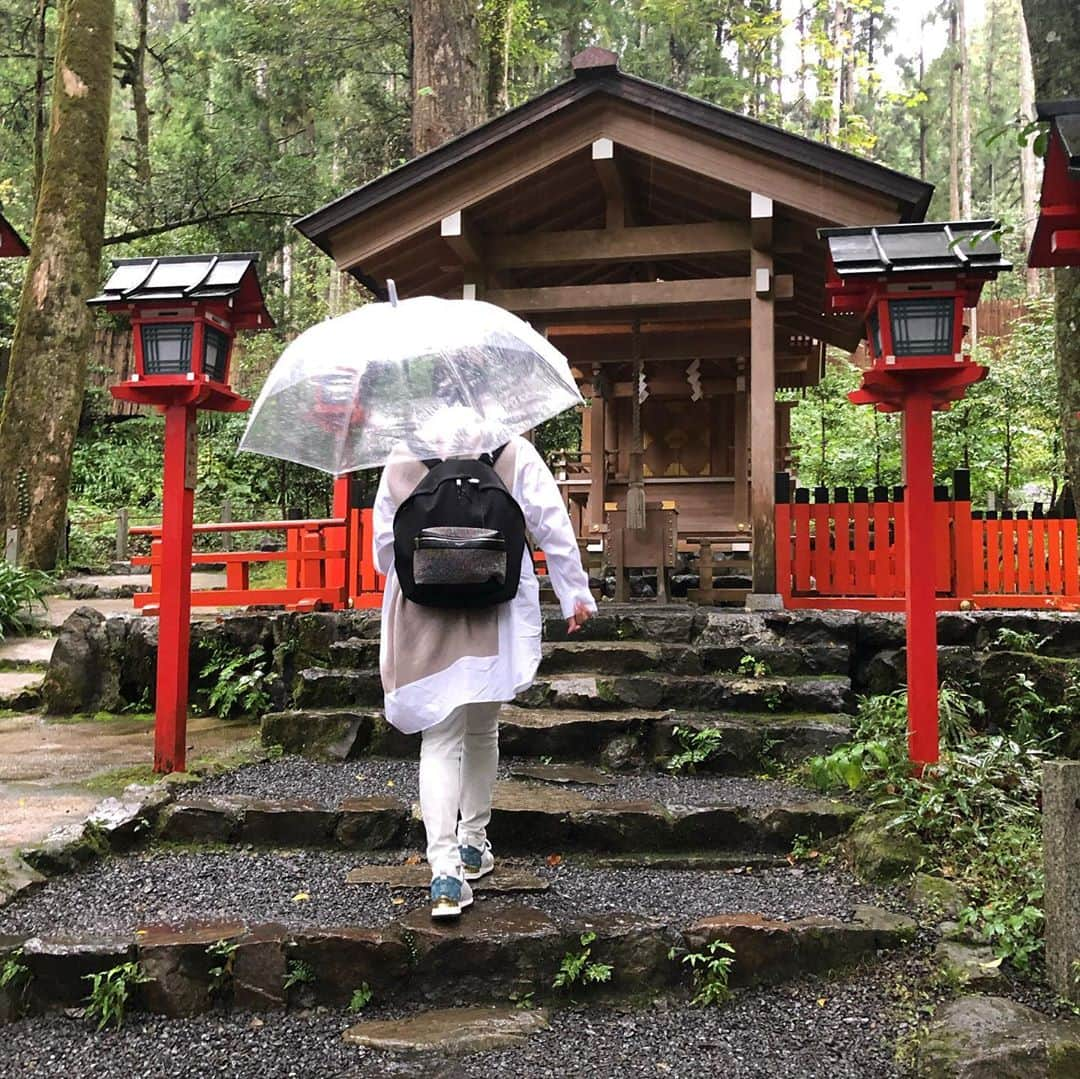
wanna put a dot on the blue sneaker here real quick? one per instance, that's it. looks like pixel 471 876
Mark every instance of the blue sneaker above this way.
pixel 477 863
pixel 449 897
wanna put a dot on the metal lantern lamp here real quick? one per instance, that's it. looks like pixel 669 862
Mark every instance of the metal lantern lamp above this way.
pixel 911 285
pixel 185 312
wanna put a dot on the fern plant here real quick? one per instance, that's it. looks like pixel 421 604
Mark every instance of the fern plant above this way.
pixel 111 991
pixel 240 679
pixel 15 978
pixel 695 747
pixel 578 968
pixel 712 972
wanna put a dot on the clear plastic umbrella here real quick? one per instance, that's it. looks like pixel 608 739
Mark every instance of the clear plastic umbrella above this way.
pixel 352 390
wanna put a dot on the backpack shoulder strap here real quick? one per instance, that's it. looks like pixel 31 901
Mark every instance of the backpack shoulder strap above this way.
pixel 492 457
pixel 432 462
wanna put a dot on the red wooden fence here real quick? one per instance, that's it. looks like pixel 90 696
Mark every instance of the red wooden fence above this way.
pixel 848 552
pixel 328 563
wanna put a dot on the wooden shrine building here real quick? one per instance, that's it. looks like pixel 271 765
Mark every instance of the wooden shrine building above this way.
pixel 636 225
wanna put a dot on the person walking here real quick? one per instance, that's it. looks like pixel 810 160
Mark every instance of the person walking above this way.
pixel 446 672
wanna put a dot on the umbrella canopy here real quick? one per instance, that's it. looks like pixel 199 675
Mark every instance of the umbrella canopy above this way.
pixel 352 390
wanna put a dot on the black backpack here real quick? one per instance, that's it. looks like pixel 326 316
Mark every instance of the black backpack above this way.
pixel 459 537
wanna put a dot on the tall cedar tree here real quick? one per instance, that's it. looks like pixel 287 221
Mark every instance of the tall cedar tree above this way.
pixel 1054 32
pixel 449 85
pixel 53 328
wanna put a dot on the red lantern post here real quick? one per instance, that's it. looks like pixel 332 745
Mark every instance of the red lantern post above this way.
pixel 910 284
pixel 184 313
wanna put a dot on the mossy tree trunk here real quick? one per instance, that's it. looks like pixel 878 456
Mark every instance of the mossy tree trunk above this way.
pixel 53 327
pixel 449 89
pixel 1054 33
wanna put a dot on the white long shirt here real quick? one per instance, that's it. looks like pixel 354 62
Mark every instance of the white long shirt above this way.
pixel 426 701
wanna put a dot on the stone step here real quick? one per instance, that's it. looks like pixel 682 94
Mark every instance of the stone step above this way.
pixel 617 657
pixel 826 693
pixel 496 949
pixel 20 690
pixel 525 817
pixel 26 653
pixel 316 687
pixel 619 739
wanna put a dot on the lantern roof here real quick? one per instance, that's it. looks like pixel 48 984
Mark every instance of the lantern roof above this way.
pixel 190 278
pixel 1057 232
pixel 1064 117
pixel 11 243
pixel 930 248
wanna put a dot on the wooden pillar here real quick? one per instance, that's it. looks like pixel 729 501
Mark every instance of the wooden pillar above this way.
pixel 594 515
pixel 741 471
pixel 762 398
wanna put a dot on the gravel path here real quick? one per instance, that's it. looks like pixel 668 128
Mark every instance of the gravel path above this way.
pixel 328 784
pixel 173 887
pixel 812 1029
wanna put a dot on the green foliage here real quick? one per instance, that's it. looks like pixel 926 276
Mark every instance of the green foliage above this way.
pixel 221 973
pixel 297 972
pixel 578 968
pixel 110 993
pixel 976 810
pixel 15 976
pixel 1012 640
pixel 240 679
pixel 806 848
pixel 361 997
pixel 696 747
pixel 21 590
pixel 712 971
pixel 753 668
pixel 1005 430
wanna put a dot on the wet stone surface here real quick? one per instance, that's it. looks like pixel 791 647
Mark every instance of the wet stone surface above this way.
pixel 328 784
pixel 302 888
pixel 450 1031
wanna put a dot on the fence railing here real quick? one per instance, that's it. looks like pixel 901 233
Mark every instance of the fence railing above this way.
pixel 328 562
pixel 845 548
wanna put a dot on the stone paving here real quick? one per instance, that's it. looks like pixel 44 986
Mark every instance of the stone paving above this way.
pixel 43 765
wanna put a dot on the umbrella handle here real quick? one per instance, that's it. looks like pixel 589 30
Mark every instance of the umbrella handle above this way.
pixel 391 288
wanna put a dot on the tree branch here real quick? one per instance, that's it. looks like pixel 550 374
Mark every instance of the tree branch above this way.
pixel 201 219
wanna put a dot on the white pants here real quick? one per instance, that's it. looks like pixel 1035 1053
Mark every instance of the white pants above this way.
pixel 459 759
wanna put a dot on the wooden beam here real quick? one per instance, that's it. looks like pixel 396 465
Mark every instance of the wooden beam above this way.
pixel 761 221
pixel 668 386
pixel 619 212
pixel 613 245
pixel 461 239
pixel 708 290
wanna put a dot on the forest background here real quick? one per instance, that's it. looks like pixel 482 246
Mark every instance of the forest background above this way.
pixel 230 118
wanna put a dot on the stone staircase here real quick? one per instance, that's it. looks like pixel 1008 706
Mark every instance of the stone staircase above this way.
pixel 309 861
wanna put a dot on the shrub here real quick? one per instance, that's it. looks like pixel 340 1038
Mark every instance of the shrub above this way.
pixel 21 590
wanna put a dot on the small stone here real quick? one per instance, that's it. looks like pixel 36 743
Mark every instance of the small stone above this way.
pixel 883 854
pixel 969 966
pixel 452 1031
pixel 621 754
pixel 938 894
